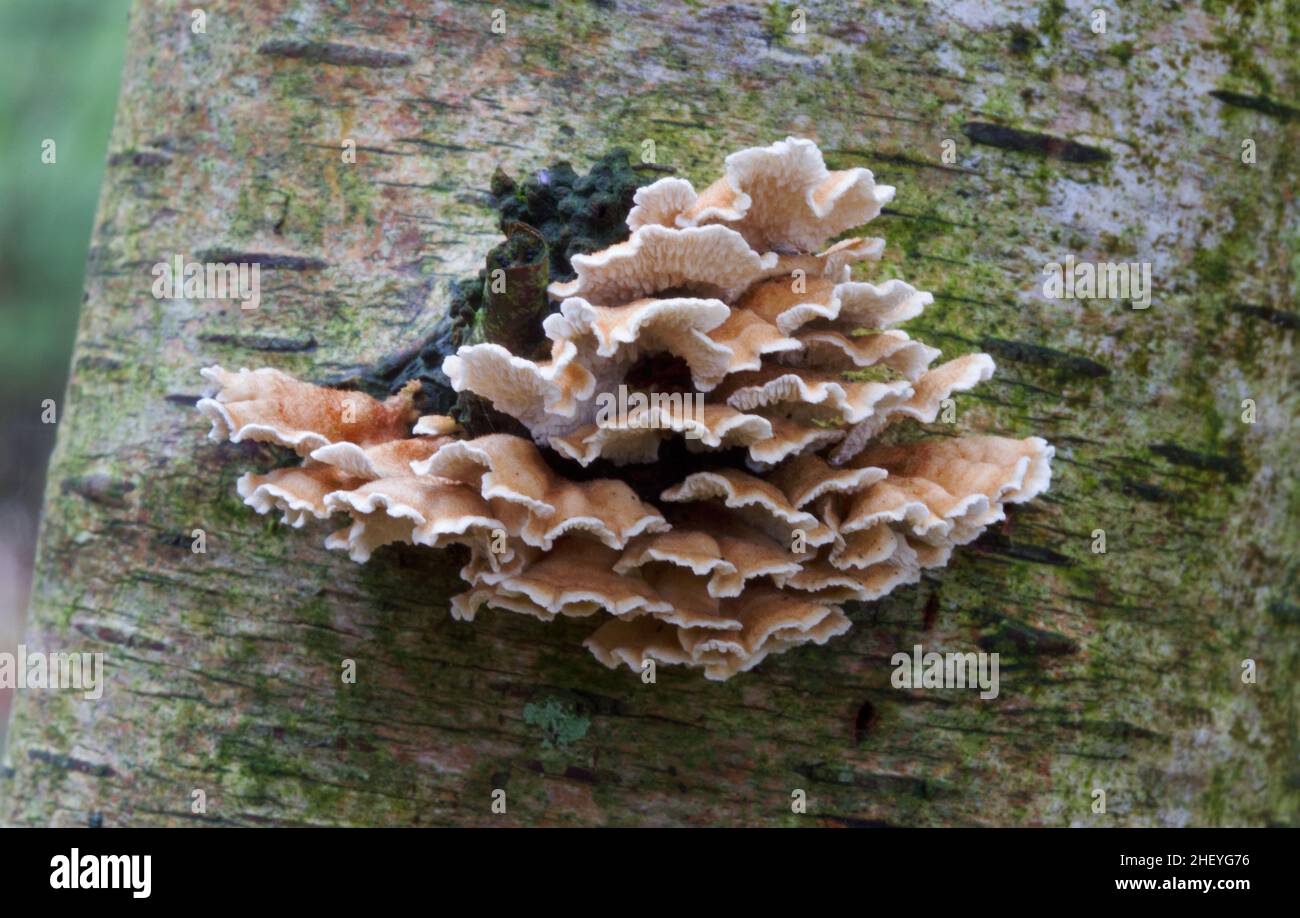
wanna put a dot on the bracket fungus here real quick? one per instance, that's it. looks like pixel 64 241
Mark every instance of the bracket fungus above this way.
pixel 763 481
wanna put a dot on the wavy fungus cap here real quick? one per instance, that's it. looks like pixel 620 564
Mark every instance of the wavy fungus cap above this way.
pixel 776 197
pixel 737 495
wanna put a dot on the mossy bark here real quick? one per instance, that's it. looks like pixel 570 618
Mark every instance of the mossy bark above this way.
pixel 1120 671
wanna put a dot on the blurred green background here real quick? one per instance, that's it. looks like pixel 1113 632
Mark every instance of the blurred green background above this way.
pixel 60 64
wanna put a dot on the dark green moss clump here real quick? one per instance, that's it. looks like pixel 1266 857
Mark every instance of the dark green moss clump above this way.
pixel 547 219
pixel 574 213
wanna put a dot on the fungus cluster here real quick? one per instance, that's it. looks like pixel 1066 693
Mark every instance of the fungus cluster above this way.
pixel 741 494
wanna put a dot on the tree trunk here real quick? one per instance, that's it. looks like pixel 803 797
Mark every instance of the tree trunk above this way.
pixel 1121 671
